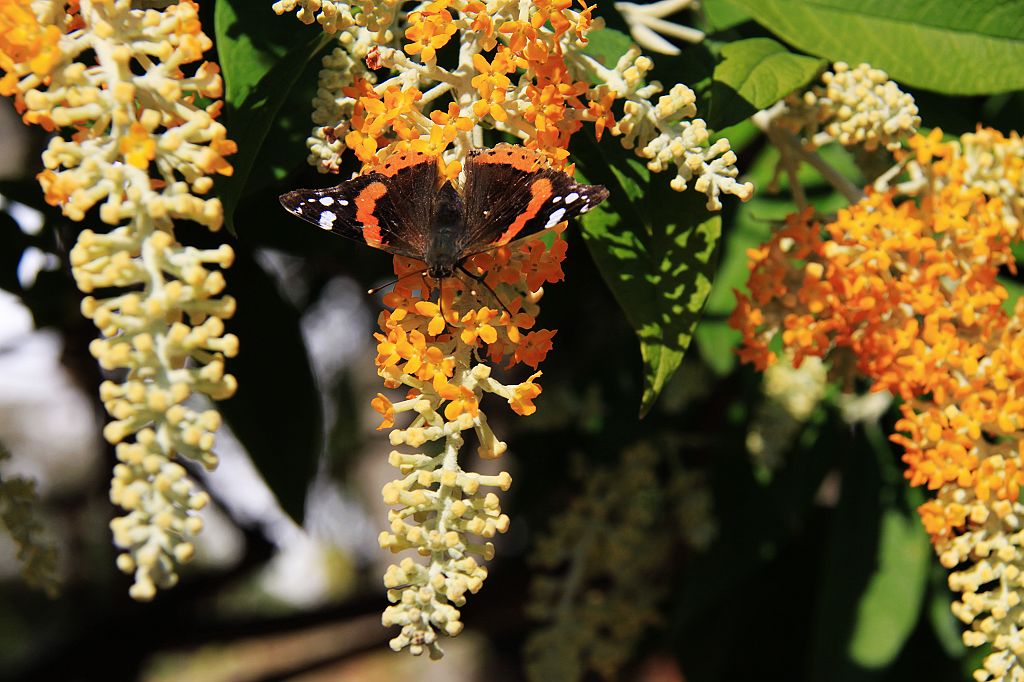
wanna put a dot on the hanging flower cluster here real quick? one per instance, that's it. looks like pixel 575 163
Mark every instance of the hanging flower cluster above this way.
pixel 519 68
pixel 121 85
pixel 433 79
pixel 19 515
pixel 439 352
pixel 910 287
pixel 601 565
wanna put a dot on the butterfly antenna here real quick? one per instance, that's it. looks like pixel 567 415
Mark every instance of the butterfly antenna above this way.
pixel 398 279
pixel 481 280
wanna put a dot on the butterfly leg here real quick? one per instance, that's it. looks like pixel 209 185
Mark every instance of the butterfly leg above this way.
pixel 480 279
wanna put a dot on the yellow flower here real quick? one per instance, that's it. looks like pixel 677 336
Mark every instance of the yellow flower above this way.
pixel 138 146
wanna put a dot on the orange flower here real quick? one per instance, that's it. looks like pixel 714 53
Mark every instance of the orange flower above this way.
pixel 429 30
pixel 386 409
pixel 523 395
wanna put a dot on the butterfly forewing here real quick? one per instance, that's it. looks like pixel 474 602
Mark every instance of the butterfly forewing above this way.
pixel 510 192
pixel 390 210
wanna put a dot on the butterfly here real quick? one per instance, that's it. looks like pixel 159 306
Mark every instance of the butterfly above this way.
pixel 407 208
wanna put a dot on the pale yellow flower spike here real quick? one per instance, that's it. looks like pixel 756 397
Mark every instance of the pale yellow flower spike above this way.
pixel 144 152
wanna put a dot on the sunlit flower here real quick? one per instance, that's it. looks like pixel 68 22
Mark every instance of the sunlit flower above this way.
pixel 910 287
pixel 520 70
pixel 141 149
pixel 855 106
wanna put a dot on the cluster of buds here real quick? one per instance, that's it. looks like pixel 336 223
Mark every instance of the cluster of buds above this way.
pixel 909 287
pixel 854 106
pixel 122 79
pixel 602 561
pixel 19 515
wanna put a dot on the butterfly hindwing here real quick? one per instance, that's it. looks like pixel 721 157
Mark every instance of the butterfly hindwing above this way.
pixel 510 192
pixel 389 210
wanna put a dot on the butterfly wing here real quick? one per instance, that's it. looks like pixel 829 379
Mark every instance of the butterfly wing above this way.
pixel 511 192
pixel 388 210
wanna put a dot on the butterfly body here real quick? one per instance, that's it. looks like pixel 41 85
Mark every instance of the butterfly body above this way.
pixel 407 208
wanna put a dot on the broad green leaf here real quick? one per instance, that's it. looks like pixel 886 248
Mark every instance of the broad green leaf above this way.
pixel 655 249
pixel 723 14
pixel 875 574
pixel 258 80
pixel 754 74
pixel 949 46
pixel 276 411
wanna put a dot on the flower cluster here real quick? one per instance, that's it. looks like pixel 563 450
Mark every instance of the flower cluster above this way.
pixel 791 394
pixel 123 83
pixel 433 80
pixel 19 514
pixel 910 287
pixel 438 351
pixel 855 106
pixel 602 561
pixel 519 68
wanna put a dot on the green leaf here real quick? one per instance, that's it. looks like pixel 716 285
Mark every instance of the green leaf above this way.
pixel 723 14
pixel 276 411
pixel 891 604
pixel 258 80
pixel 949 46
pixel 754 74
pixel 655 249
pixel 876 570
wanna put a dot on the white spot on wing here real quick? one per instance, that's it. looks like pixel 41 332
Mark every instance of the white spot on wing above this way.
pixel 555 217
pixel 327 220
pixel 586 207
pixel 343 202
pixel 571 197
pixel 326 201
pixel 311 200
pixel 556 200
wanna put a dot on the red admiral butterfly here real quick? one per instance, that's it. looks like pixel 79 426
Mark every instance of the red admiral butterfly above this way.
pixel 404 207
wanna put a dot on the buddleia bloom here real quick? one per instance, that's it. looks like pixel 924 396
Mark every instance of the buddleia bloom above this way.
pixel 123 86
pixel 520 69
pixel 910 286
pixel 432 81
pixel 601 566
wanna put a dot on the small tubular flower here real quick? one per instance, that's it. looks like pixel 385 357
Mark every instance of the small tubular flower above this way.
pixel 144 152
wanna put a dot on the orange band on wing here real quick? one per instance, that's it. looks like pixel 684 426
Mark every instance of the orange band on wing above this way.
pixel 540 191
pixel 366 202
